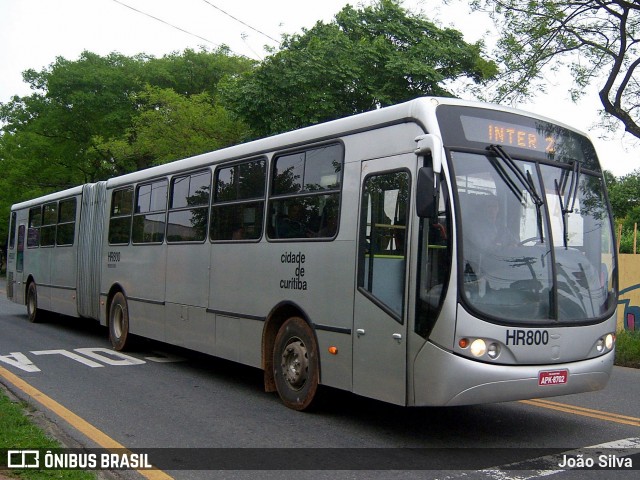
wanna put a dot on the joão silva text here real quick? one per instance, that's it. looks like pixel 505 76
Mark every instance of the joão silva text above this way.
pixel 602 461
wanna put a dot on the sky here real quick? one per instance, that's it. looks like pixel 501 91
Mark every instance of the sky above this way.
pixel 34 32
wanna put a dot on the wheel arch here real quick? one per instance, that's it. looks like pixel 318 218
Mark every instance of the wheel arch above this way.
pixel 115 288
pixel 276 318
pixel 30 279
pixel 31 300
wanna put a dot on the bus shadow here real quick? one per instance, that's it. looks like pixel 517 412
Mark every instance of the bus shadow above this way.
pixel 498 425
pixel 71 325
pixel 434 426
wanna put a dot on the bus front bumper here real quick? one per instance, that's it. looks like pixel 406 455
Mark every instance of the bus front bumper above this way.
pixel 448 379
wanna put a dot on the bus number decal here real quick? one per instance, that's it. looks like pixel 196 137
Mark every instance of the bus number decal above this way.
pixel 527 337
pixel 113 257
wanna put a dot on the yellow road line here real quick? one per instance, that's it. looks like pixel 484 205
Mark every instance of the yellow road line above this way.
pixel 585 412
pixel 75 421
pixel 608 414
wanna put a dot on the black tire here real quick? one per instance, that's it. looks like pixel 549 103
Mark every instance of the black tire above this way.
pixel 35 315
pixel 295 364
pixel 119 322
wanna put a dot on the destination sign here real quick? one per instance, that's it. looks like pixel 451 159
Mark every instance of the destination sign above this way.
pixel 477 128
pixel 487 130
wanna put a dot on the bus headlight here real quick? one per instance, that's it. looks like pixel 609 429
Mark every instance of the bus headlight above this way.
pixel 493 351
pixel 609 340
pixel 606 343
pixel 478 347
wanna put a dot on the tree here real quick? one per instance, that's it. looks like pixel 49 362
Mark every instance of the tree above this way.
pixel 364 59
pixel 597 39
pixel 50 133
pixel 78 105
pixel 169 126
pixel 95 117
pixel 194 72
pixel 624 194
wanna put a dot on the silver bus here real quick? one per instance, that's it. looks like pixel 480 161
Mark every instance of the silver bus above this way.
pixel 436 252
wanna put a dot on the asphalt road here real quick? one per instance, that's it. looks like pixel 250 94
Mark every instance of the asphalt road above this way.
pixel 191 406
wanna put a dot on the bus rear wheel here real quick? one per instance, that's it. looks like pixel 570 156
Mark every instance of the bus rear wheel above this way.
pixel 119 322
pixel 35 315
pixel 295 364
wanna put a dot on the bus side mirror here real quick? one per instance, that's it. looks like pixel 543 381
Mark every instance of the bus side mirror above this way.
pixel 427 193
pixel 427 189
pixel 430 144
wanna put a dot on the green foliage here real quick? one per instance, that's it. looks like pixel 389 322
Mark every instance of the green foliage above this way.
pixel 17 431
pixel 624 194
pixel 168 126
pixel 628 349
pixel 191 73
pixel 96 117
pixel 595 40
pixel 364 59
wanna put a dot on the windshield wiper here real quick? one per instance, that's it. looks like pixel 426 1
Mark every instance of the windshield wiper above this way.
pixel 525 181
pixel 568 197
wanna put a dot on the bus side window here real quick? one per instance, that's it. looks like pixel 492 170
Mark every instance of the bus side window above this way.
pixel 149 217
pixel 305 194
pixel 20 252
pixel 35 221
pixel 120 222
pixel 48 228
pixel 66 222
pixel 12 233
pixel 189 207
pixel 434 264
pixel 238 201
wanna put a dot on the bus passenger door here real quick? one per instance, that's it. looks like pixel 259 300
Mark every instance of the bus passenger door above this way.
pixel 380 326
pixel 15 284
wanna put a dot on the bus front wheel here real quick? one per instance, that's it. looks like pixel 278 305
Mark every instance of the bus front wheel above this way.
pixel 32 303
pixel 119 322
pixel 295 364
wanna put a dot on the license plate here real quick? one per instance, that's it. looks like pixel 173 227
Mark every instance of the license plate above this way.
pixel 554 377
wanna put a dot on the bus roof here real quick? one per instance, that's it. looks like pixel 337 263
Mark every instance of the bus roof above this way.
pixel 420 110
pixel 405 112
pixel 52 197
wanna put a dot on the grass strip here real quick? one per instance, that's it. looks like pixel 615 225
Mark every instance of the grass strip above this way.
pixel 18 431
pixel 628 349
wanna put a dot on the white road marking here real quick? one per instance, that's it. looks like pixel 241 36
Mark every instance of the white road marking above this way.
pixel 549 465
pixel 71 355
pixel 110 357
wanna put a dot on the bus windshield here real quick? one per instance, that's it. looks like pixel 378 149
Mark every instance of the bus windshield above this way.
pixel 536 240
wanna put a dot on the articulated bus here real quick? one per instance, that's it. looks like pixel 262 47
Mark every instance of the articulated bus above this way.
pixel 436 252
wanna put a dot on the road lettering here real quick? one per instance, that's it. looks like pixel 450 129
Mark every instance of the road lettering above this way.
pixel 93 357
pixel 110 357
pixel 71 355
pixel 19 360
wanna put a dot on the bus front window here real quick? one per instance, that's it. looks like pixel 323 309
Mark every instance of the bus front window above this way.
pixel 506 262
pixel 582 241
pixel 513 269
